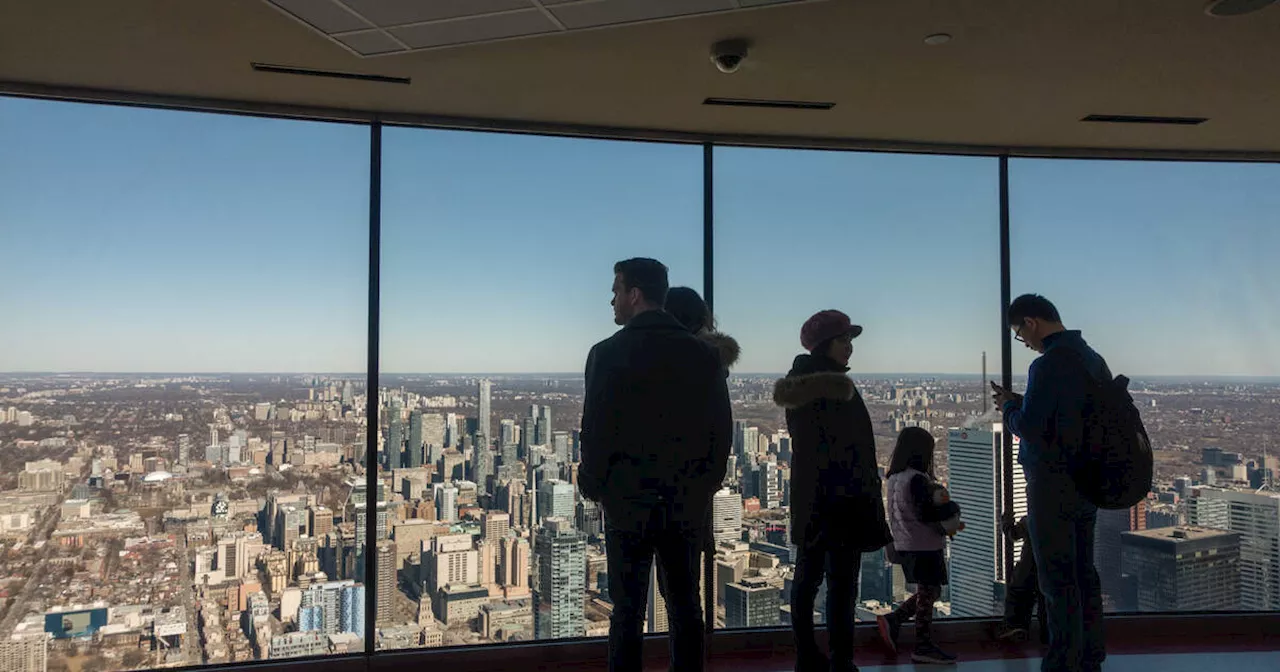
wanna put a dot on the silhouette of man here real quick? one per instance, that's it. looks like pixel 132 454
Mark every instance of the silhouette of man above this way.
pixel 656 433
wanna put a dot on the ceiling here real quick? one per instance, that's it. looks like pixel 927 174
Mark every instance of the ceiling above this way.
pixel 1018 74
pixel 380 27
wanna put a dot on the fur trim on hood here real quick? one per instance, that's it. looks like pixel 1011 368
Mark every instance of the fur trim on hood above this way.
pixel 725 346
pixel 797 391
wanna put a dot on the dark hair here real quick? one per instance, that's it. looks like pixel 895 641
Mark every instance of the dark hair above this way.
pixel 647 275
pixel 689 309
pixel 913 451
pixel 1032 306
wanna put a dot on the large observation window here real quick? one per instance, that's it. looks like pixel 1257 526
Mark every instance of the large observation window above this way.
pixel 1167 268
pixel 908 246
pixel 183 301
pixel 497 267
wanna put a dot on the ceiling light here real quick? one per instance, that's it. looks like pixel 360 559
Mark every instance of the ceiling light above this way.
pixel 1223 8
pixel 937 38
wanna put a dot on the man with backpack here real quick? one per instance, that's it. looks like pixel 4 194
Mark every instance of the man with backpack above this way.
pixel 1054 421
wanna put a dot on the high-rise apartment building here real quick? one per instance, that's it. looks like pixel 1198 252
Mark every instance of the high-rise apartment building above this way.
pixel 557 499
pixel 543 426
pixel 387 587
pixel 767 486
pixel 414 445
pixel 976 464
pixel 726 516
pixel 1180 569
pixel 332 607
pixel 27 654
pixel 561 582
pixel 485 392
pixel 446 496
pixel 184 449
pixel 1256 516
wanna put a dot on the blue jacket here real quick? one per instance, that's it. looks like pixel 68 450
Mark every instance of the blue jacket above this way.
pixel 1048 421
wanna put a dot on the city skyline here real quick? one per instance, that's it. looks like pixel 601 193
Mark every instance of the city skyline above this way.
pixel 201 242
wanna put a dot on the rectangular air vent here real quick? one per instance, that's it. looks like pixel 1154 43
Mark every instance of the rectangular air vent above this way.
pixel 1140 119
pixel 777 104
pixel 307 72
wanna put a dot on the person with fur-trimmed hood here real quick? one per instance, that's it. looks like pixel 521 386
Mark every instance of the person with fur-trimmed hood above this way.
pixel 687 306
pixel 837 506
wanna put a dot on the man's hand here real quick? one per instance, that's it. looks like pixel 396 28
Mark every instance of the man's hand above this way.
pixel 1002 395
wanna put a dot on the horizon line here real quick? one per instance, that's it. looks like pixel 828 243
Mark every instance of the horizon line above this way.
pixel 574 375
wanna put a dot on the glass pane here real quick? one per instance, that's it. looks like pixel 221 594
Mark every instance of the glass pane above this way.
pixel 908 247
pixel 498 255
pixel 1168 270
pixel 184 301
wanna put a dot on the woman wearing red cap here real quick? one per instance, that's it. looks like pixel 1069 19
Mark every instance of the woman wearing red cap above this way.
pixel 837 509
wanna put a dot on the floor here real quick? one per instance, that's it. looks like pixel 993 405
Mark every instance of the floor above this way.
pixel 1241 661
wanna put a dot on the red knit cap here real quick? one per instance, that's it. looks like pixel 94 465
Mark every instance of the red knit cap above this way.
pixel 824 326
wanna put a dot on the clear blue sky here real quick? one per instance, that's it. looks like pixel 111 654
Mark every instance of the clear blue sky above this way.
pixel 143 240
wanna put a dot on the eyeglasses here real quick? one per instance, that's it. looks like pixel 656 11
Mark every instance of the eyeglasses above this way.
pixel 1017 334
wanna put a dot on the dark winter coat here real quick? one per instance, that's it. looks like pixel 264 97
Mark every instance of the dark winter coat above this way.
pixel 656 423
pixel 836 491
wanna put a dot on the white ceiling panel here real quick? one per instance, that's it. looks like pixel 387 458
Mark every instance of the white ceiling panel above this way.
pixel 370 42
pixel 327 16
pixel 613 12
pixel 378 27
pixel 475 29
pixel 388 13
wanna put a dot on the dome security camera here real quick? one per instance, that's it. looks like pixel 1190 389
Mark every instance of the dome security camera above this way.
pixel 728 55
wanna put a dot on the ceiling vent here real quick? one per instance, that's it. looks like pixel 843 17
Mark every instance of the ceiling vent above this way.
pixel 775 104
pixel 308 72
pixel 1144 119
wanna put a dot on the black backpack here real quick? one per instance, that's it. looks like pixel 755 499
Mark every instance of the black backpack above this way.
pixel 1115 467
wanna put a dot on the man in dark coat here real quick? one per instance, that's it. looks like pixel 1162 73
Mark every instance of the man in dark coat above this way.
pixel 837 505
pixel 656 433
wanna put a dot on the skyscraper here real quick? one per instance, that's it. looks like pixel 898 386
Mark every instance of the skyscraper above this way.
pixel 561 582
pixel 557 499
pixel 387 587
pixel 393 442
pixel 976 464
pixel 1106 550
pixel 726 516
pixel 486 396
pixel 506 432
pixel 451 559
pixel 751 603
pixel 446 495
pixel 514 566
pixel 561 446
pixel 1256 516
pixel 184 449
pixel 414 446
pixel 482 468
pixel 495 525
pixel 655 606
pixel 1180 569
pixel 543 426
pixel 767 486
